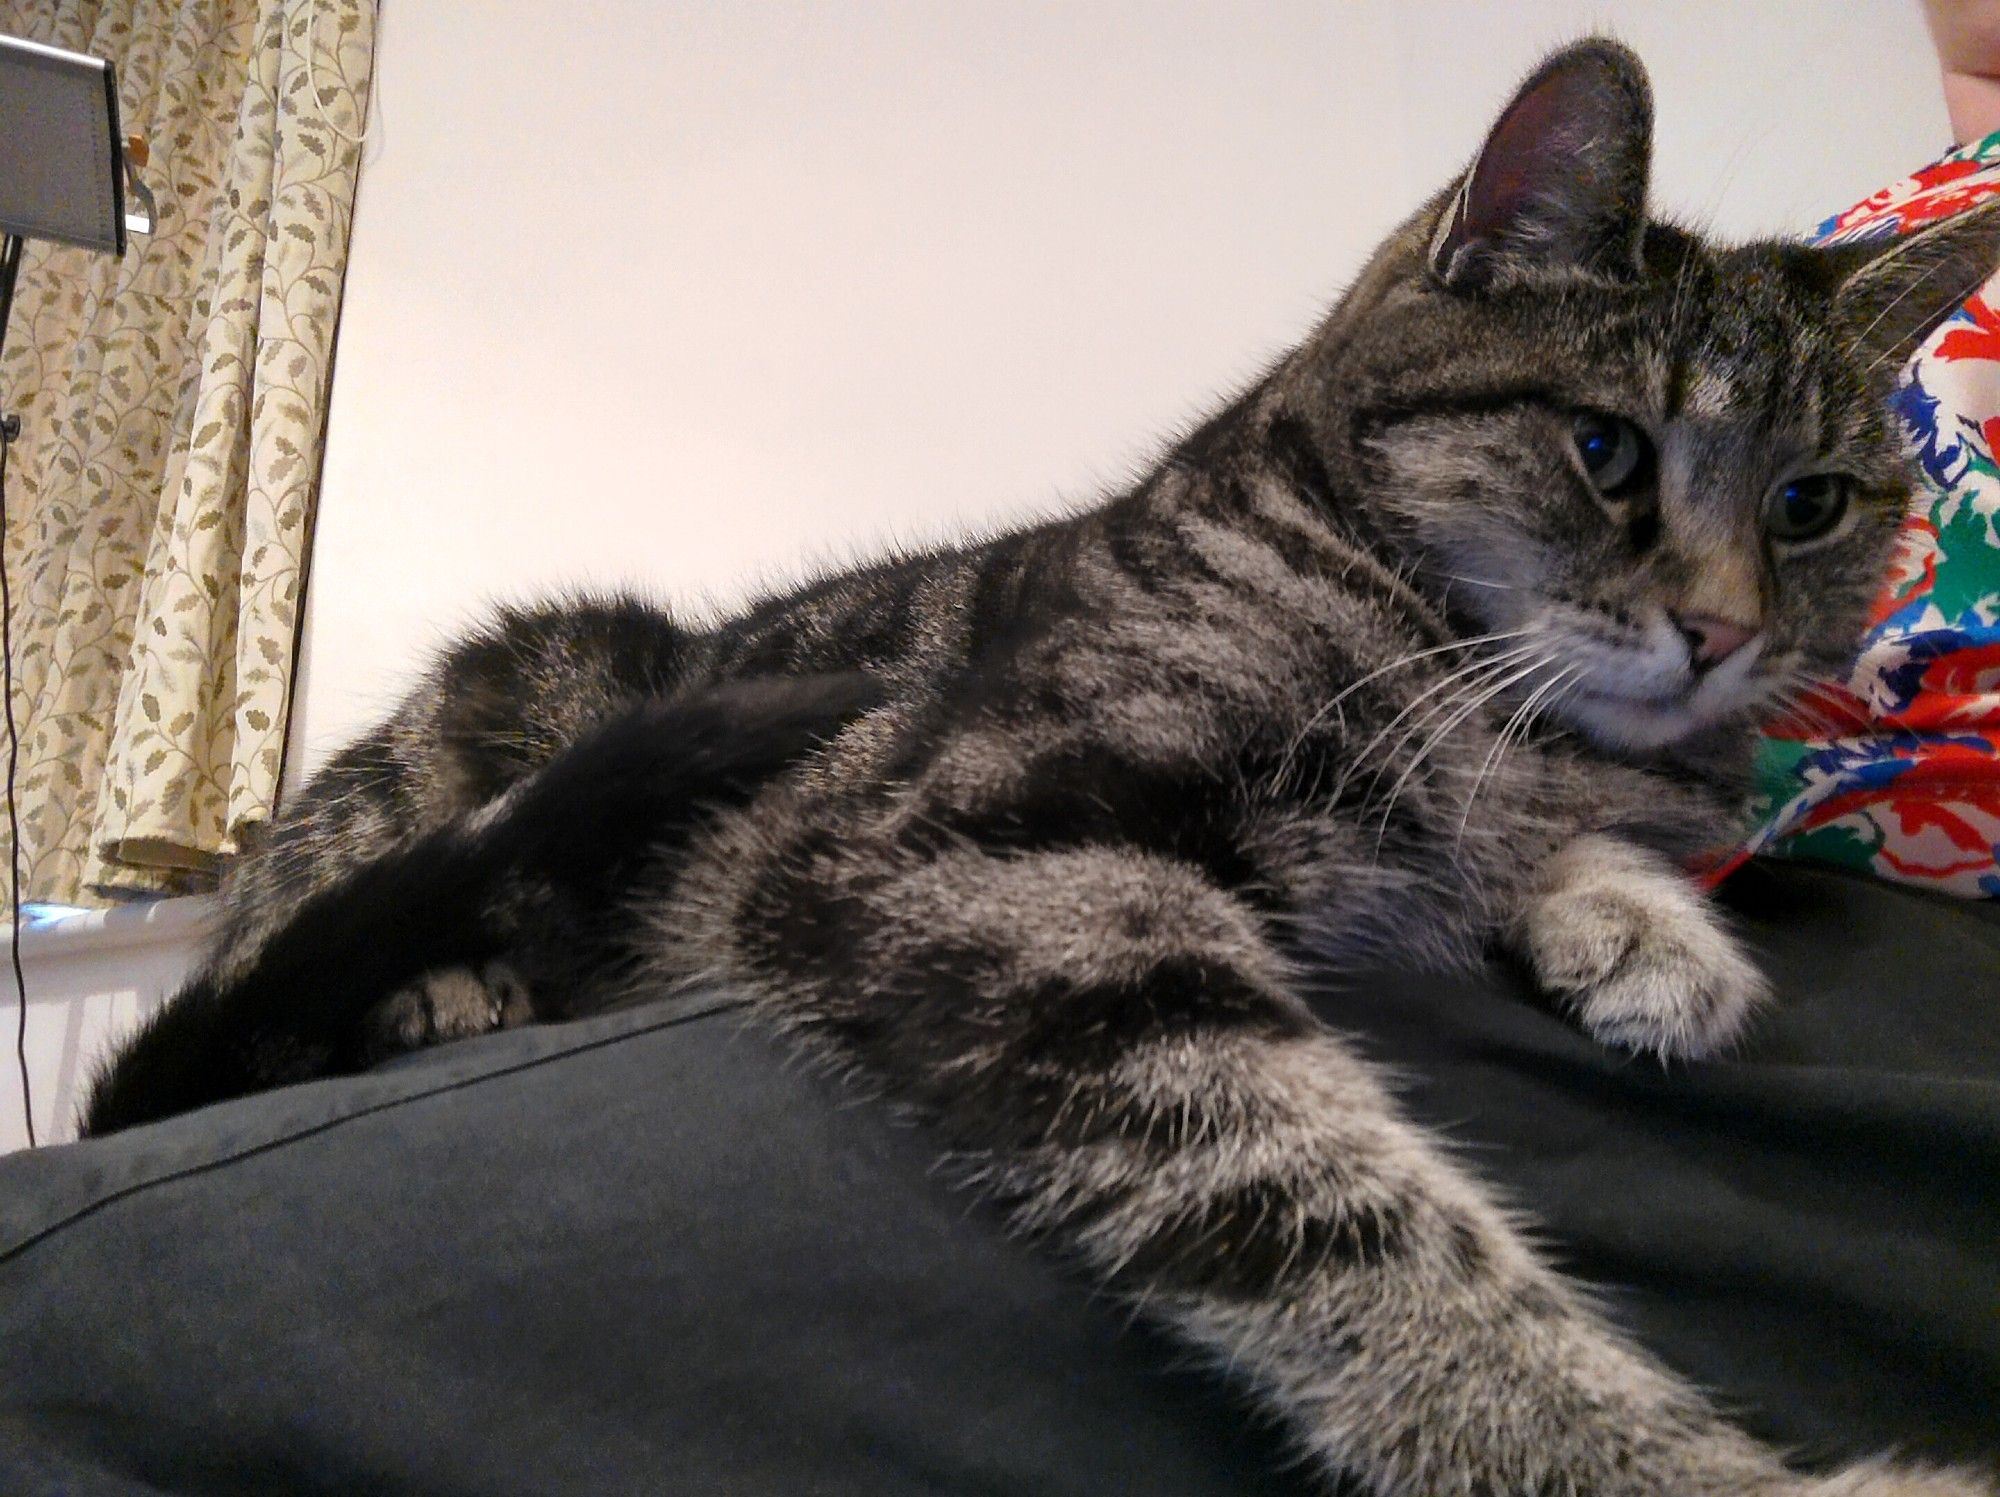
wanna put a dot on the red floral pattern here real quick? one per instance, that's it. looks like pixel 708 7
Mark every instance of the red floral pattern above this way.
pixel 1899 771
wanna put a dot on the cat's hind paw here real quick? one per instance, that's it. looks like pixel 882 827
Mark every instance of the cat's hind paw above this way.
pixel 1633 949
pixel 448 1004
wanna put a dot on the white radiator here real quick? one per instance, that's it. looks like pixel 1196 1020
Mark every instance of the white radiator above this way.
pixel 91 977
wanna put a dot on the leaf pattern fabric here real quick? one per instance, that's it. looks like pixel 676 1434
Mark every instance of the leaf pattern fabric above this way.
pixel 160 499
pixel 1898 771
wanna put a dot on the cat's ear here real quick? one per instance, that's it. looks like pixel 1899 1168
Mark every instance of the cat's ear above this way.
pixel 1891 294
pixel 1561 180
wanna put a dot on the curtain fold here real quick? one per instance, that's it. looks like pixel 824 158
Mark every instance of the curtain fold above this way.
pixel 160 499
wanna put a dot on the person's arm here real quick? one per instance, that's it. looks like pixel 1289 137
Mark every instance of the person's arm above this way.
pixel 1966 34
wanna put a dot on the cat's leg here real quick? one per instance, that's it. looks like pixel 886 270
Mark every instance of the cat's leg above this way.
pixel 431 939
pixel 1627 942
pixel 495 707
pixel 1104 1039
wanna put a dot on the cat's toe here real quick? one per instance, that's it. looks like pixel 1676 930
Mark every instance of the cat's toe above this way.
pixel 449 1004
pixel 1645 978
pixel 1637 954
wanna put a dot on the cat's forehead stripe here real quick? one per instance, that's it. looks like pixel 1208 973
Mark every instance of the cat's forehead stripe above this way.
pixel 1711 393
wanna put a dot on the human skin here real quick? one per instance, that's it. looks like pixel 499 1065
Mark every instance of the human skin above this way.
pixel 1966 34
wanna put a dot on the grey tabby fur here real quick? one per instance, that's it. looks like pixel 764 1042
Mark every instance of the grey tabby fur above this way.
pixel 1033 835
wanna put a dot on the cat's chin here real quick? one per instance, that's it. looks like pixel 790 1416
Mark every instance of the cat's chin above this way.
pixel 1639 725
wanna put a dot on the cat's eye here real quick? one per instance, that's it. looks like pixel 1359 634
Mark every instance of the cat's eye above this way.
pixel 1802 509
pixel 1616 455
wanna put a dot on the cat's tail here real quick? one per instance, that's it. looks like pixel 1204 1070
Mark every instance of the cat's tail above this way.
pixel 571 835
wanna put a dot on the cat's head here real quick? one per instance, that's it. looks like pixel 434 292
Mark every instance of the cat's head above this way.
pixel 1662 468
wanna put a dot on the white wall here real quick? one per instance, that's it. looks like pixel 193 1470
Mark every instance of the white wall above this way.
pixel 691 294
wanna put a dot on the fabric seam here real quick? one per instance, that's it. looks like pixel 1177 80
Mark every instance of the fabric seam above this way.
pixel 313 1130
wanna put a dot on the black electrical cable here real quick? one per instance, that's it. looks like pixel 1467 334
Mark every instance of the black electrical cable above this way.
pixel 10 262
pixel 13 809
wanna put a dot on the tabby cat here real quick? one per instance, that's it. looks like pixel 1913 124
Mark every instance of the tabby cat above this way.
pixel 1455 625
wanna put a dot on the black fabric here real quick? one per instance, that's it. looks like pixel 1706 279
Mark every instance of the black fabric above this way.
pixel 1811 1230
pixel 650 1255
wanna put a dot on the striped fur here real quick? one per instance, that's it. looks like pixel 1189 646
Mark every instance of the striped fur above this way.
pixel 1031 836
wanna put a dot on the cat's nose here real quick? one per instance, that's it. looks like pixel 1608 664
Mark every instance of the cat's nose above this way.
pixel 1712 640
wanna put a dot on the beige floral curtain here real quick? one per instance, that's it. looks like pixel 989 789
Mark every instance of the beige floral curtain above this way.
pixel 160 498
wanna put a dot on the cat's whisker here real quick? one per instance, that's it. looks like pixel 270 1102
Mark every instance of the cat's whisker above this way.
pixel 1674 313
pixel 1804 680
pixel 1517 727
pixel 1790 702
pixel 1486 582
pixel 1448 687
pixel 1818 727
pixel 1333 703
pixel 1481 696
pixel 1792 710
pixel 1894 351
pixel 1467 687
pixel 1464 707
pixel 1447 683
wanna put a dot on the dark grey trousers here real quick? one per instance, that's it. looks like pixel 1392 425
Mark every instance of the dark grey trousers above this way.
pixel 643 1255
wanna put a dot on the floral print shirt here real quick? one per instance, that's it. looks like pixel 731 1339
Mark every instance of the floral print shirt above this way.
pixel 1899 773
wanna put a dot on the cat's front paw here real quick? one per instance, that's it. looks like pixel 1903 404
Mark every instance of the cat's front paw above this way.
pixel 1882 1479
pixel 1633 949
pixel 448 1004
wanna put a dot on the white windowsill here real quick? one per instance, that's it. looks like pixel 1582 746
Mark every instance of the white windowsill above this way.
pixel 90 977
pixel 154 923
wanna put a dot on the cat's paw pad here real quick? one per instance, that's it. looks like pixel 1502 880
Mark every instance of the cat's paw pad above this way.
pixel 1637 954
pixel 449 1004
pixel 1882 1479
